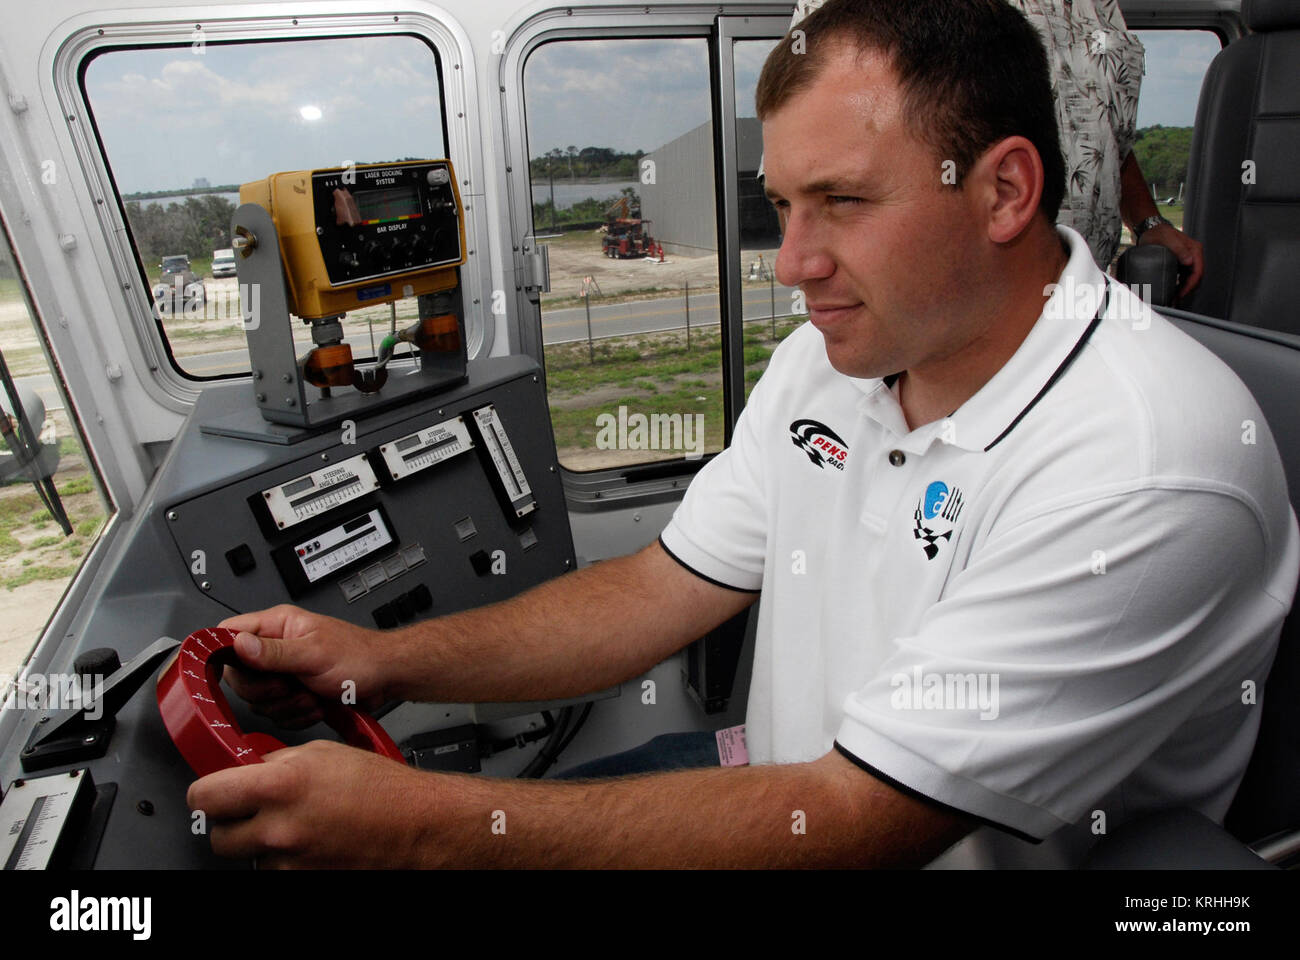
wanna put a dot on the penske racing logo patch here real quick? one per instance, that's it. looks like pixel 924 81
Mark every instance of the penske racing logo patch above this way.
pixel 822 444
pixel 936 516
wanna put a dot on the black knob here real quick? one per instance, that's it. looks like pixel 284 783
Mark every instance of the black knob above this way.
pixel 101 661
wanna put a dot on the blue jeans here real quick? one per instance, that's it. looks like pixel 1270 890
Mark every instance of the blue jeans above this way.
pixel 668 751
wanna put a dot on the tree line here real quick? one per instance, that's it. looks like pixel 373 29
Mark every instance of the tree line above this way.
pixel 195 228
pixel 570 162
pixel 1162 153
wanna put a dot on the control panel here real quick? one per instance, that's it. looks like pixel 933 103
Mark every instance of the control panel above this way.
pixel 433 506
pixel 446 502
pixel 376 221
pixel 363 234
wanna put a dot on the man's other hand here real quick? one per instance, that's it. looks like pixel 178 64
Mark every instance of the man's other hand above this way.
pixel 297 656
pixel 322 804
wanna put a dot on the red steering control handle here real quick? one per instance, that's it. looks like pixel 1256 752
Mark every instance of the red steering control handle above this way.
pixel 200 722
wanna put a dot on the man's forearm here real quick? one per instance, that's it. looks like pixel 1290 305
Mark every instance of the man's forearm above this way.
pixel 580 632
pixel 1135 202
pixel 821 814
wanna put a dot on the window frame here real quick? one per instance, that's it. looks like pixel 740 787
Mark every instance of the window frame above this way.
pixel 460 117
pixel 653 482
pixel 78 585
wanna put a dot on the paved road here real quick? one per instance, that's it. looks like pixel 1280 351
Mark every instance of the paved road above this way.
pixel 558 326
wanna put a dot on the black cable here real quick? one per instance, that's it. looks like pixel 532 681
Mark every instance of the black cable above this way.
pixel 586 711
pixel 550 749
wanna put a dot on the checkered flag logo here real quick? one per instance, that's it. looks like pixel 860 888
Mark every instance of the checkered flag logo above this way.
pixel 937 509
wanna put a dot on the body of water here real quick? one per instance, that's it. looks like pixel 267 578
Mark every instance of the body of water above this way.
pixel 567 193
pixel 182 197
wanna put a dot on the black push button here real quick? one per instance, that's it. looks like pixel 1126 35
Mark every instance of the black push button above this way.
pixel 422 598
pixel 385 617
pixel 481 562
pixel 405 608
pixel 241 560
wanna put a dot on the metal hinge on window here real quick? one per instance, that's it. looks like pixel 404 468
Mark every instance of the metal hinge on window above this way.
pixel 537 269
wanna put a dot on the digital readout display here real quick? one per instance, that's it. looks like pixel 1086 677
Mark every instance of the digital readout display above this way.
pixel 298 486
pixel 388 204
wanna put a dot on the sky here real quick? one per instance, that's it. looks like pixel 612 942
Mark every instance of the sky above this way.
pixel 235 113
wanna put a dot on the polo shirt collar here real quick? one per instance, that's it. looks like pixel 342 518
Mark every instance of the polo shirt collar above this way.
pixel 1069 316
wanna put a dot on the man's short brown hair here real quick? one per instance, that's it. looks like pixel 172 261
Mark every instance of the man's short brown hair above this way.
pixel 972 72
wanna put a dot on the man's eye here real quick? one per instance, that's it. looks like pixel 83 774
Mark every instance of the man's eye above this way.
pixel 845 199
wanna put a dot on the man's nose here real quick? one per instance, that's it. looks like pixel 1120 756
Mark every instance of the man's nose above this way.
pixel 803 255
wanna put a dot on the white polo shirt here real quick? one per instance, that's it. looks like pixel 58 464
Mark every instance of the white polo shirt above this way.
pixel 1054 603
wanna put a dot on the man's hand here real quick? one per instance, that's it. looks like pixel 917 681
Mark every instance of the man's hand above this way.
pixel 1190 252
pixel 323 804
pixel 296 654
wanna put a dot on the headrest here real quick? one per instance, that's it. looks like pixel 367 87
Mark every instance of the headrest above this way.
pixel 1263 15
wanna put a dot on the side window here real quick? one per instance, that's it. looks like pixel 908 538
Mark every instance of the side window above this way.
pixel 770 310
pixel 52 507
pixel 620 141
pixel 182 127
pixel 1176 61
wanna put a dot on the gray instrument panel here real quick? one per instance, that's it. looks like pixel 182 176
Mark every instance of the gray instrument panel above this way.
pixel 201 500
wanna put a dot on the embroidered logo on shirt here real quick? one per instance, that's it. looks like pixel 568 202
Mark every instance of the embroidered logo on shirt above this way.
pixel 822 444
pixel 936 515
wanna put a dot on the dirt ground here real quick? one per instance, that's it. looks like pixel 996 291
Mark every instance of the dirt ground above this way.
pixel 577 255
pixel 36 559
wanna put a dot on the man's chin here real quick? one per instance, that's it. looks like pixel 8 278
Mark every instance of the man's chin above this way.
pixel 851 364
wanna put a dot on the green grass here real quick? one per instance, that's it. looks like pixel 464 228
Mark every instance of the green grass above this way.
pixel 23 515
pixel 654 374
pixel 41 572
pixel 81 484
pixel 1173 213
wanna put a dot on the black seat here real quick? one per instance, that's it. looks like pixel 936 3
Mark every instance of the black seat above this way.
pixel 1266 811
pixel 1243 195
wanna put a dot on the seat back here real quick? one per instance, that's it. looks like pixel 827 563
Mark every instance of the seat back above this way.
pixel 1269 364
pixel 1242 188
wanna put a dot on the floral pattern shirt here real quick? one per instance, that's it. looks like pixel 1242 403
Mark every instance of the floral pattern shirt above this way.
pixel 1096 67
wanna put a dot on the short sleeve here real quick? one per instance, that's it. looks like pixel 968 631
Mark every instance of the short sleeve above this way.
pixel 719 530
pixel 1072 647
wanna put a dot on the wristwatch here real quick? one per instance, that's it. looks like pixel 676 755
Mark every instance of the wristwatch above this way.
pixel 1146 225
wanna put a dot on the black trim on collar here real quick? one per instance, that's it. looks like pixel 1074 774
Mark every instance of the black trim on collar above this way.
pixel 716 583
pixel 1065 365
pixel 917 795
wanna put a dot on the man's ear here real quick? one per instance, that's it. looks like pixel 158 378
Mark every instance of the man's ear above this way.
pixel 1010 177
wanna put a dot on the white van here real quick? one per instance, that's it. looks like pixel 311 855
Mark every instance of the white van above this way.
pixel 223 263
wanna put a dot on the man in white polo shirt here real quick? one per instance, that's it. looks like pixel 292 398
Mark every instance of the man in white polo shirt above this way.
pixel 1018 550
